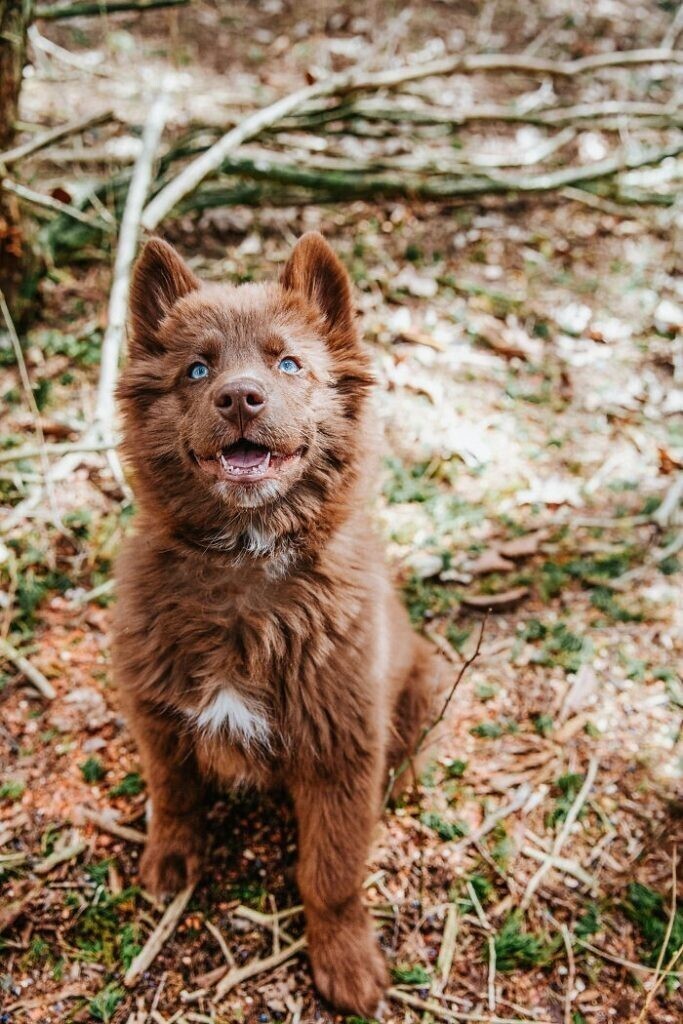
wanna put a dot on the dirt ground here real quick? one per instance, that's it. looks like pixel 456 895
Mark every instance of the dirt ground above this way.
pixel 530 408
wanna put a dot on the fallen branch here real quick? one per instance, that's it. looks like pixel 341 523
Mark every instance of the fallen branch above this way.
pixel 125 254
pixel 431 1006
pixel 569 867
pixel 56 12
pixel 159 936
pixel 254 967
pixel 45 139
pixel 571 974
pixel 108 824
pixel 23 665
pixel 60 856
pixel 32 451
pixel 659 978
pixel 29 195
pixel 359 81
pixel 563 834
pixel 490 822
pixel 447 951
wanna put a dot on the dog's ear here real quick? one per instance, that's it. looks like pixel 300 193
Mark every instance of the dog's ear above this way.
pixel 160 278
pixel 314 270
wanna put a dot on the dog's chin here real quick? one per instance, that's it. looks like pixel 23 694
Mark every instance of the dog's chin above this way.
pixel 248 475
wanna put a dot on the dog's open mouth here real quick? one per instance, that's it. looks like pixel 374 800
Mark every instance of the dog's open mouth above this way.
pixel 245 462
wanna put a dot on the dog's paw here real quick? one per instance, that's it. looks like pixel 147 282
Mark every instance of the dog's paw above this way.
pixel 168 866
pixel 348 967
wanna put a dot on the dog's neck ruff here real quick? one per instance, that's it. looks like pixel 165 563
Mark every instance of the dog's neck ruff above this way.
pixel 244 721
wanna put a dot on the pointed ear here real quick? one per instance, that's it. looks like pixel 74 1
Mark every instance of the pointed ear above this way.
pixel 160 278
pixel 315 271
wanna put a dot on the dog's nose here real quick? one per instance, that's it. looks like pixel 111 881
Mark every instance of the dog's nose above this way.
pixel 241 400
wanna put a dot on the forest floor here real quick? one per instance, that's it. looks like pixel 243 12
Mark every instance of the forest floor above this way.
pixel 530 393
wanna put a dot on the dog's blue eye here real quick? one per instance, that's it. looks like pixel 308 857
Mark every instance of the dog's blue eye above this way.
pixel 197 371
pixel 289 365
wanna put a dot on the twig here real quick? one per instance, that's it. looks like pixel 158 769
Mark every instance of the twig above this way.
pixel 630 964
pixel 478 909
pixel 491 987
pixel 397 772
pixel 569 867
pixel 30 451
pixel 108 824
pixel 45 139
pixel 159 936
pixel 572 815
pixel 50 203
pixel 448 941
pixel 659 978
pixel 666 513
pixel 356 81
pixel 218 936
pixel 128 239
pixel 490 822
pixel 571 974
pixel 431 1006
pixel 260 966
pixel 60 856
pixel 55 12
pixel 34 676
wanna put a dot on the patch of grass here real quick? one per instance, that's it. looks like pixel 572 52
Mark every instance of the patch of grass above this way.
pixel 543 724
pixel 408 483
pixel 455 769
pixel 446 830
pixel 560 646
pixel 492 730
pixel 425 599
pixel 516 948
pixel 103 1006
pixel 669 566
pixel 568 787
pixel 648 912
pixel 457 637
pixel 589 922
pixel 604 600
pixel 12 789
pixel 103 931
pixel 130 785
pixel 411 975
pixel 93 770
pixel 83 350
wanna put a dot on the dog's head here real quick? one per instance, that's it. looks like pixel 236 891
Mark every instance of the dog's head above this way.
pixel 242 404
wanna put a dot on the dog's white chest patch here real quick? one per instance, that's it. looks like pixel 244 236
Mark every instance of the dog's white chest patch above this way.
pixel 229 711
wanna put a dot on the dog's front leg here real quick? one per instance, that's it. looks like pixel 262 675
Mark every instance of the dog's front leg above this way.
pixel 176 832
pixel 336 820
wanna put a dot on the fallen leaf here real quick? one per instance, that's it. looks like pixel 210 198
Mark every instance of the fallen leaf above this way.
pixel 512 342
pixel 489 561
pixel 505 597
pixel 522 547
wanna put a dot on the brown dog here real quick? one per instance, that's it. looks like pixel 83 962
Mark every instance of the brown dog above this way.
pixel 257 637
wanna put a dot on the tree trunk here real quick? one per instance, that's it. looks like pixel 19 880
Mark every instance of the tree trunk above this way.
pixel 16 256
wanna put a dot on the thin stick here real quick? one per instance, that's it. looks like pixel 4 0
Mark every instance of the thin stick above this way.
pixel 431 1006
pixel 56 12
pixel 571 974
pixel 218 936
pixel 60 856
pixel 396 773
pixel 630 964
pixel 355 81
pixel 492 974
pixel 31 451
pixel 569 867
pixel 658 979
pixel 29 195
pixel 260 966
pixel 34 676
pixel 107 824
pixel 158 937
pixel 46 138
pixel 572 815
pixel 448 941
pixel 128 240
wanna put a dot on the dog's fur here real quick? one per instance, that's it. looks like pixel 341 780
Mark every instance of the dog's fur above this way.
pixel 257 637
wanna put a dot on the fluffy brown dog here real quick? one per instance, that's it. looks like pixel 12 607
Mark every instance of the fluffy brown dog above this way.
pixel 257 637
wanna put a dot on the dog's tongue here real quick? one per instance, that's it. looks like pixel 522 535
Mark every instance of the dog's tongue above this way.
pixel 245 455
